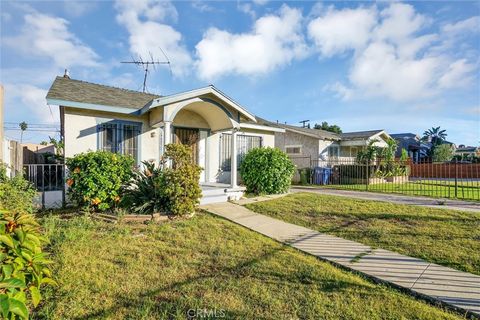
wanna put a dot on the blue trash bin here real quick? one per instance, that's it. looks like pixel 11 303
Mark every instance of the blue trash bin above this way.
pixel 327 172
pixel 317 175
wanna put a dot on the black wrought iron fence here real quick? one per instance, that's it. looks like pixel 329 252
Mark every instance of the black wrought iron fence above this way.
pixel 459 180
pixel 46 177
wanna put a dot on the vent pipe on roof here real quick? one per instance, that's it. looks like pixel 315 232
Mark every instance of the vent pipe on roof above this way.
pixel 66 74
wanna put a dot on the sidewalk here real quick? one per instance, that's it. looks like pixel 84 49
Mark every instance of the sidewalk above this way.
pixel 394 198
pixel 458 289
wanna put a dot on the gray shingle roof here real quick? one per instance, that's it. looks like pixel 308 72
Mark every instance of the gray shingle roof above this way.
pixel 321 134
pixel 85 92
pixel 359 134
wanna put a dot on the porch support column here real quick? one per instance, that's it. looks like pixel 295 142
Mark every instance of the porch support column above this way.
pixel 167 136
pixel 233 159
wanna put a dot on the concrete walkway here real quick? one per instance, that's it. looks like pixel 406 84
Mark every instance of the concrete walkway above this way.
pixel 395 198
pixel 457 289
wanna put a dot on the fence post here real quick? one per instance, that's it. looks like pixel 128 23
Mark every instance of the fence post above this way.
pixel 367 181
pixel 456 178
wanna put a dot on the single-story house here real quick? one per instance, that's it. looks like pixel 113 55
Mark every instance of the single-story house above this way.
pixel 467 152
pixel 417 148
pixel 99 117
pixel 313 147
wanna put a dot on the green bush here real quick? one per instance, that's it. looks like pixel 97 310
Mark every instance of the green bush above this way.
pixel 173 187
pixel 24 268
pixel 182 188
pixel 267 171
pixel 16 194
pixel 96 178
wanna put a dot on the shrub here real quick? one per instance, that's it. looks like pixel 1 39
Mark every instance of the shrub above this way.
pixel 267 171
pixel 443 153
pixel 16 194
pixel 24 266
pixel 95 178
pixel 172 188
pixel 144 193
pixel 182 189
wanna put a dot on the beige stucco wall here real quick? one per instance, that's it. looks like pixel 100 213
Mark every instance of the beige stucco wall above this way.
pixel 190 119
pixel 268 140
pixel 81 132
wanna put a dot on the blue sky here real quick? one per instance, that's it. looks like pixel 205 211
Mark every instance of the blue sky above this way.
pixel 399 66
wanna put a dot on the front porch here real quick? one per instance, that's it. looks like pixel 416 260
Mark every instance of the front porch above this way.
pixel 203 121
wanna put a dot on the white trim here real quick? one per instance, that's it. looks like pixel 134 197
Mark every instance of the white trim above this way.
pixel 260 127
pixel 162 101
pixel 92 106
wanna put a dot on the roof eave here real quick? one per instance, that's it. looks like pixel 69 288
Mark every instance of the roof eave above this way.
pixel 162 101
pixel 92 106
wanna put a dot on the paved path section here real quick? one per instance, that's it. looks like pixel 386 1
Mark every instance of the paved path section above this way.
pixel 395 198
pixel 455 288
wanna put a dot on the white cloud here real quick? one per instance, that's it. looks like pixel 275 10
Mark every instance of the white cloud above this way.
pixel 458 74
pixel 76 8
pixel 275 41
pixel 399 22
pixel 247 9
pixel 48 37
pixel 31 100
pixel 148 34
pixel 339 30
pixel 393 55
pixel 202 6
pixel 379 71
pixel 340 90
pixel 468 25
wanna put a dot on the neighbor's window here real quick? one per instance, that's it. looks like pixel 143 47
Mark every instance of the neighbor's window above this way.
pixel 333 151
pixel 244 144
pixel 119 137
pixel 293 150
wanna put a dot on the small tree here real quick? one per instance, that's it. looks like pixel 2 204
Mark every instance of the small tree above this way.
pixel 267 171
pixel 325 126
pixel 443 153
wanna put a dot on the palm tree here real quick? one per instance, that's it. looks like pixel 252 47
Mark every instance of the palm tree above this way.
pixel 23 126
pixel 435 135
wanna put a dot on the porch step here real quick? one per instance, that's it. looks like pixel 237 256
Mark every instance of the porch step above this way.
pixel 213 195
pixel 213 199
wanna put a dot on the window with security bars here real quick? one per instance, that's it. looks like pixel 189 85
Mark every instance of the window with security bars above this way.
pixel 245 143
pixel 119 137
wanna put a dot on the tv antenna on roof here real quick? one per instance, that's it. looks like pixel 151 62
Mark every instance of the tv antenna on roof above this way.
pixel 304 123
pixel 146 64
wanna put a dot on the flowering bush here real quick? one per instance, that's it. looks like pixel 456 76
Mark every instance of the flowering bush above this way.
pixel 95 178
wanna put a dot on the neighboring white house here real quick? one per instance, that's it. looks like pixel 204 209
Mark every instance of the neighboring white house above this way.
pixel 99 117
pixel 313 147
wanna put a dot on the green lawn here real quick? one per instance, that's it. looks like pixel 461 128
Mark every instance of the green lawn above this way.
pixel 428 188
pixel 446 237
pixel 121 271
